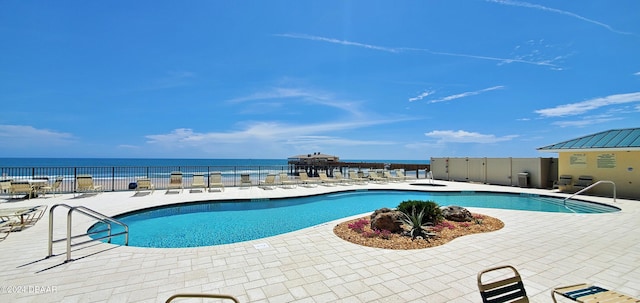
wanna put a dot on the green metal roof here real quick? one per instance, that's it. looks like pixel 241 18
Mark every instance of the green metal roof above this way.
pixel 611 139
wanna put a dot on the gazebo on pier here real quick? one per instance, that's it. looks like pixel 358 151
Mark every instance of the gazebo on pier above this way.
pixel 311 163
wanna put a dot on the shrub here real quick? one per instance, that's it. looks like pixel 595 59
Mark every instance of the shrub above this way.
pixel 431 210
pixel 359 225
pixel 415 222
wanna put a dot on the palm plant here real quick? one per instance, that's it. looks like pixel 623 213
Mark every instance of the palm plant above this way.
pixel 414 221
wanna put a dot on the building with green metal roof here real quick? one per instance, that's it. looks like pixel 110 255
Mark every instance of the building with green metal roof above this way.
pixel 612 155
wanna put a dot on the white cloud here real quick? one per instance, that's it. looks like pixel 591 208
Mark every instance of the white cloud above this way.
pixel 403 49
pixel 25 135
pixel 465 94
pixel 558 11
pixel 337 41
pixel 260 132
pixel 637 74
pixel 421 96
pixel 573 109
pixel 462 136
pixel 585 122
pixel 324 140
pixel 501 60
pixel 308 95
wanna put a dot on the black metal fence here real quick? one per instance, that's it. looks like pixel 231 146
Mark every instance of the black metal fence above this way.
pixel 116 178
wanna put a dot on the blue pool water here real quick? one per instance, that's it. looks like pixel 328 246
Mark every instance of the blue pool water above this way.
pixel 214 223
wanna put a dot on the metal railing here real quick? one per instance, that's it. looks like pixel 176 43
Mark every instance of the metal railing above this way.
pixel 119 178
pixel 209 296
pixel 592 186
pixel 90 213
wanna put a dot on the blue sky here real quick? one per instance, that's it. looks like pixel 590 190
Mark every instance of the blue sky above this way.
pixel 271 79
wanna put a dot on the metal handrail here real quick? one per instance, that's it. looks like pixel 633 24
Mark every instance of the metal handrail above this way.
pixel 210 296
pixel 89 213
pixel 591 186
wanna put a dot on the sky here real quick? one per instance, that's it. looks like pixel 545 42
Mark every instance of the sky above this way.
pixel 397 80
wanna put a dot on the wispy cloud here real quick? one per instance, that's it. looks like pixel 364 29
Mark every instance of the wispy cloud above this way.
pixel 461 136
pixel 26 135
pixel 422 95
pixel 547 63
pixel 463 95
pixel 265 131
pixel 578 108
pixel 558 11
pixel 307 95
pixel 637 74
pixel 330 140
pixel 342 42
pixel 587 121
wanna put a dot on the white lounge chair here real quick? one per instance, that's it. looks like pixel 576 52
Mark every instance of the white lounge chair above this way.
pixel 353 176
pixel 325 180
pixel 198 182
pixel 84 184
pixel 373 176
pixel 21 187
pixel 306 181
pixel 269 182
pixel 175 181
pixel 53 188
pixel 215 181
pixel 285 182
pixel 341 180
pixel 387 174
pixel 144 184
pixel 245 180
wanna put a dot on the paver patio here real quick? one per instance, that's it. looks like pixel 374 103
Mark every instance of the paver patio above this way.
pixel 313 265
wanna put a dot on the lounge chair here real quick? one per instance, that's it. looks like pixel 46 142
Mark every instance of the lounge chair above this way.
pixel 325 180
pixel 590 293
pixel 502 285
pixel 245 180
pixel 285 182
pixel 387 174
pixel 306 181
pixel 84 184
pixel 21 187
pixel 5 186
pixel 401 175
pixel 144 184
pixel 53 188
pixel 583 182
pixel 373 176
pixel 17 218
pixel 215 181
pixel 341 180
pixel 269 182
pixel 353 176
pixel 198 182
pixel 175 181
pixel 5 229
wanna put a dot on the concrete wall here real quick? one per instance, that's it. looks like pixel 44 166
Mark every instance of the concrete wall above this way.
pixel 621 167
pixel 500 171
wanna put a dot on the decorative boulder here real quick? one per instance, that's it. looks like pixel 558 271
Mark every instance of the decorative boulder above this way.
pixel 457 214
pixel 386 219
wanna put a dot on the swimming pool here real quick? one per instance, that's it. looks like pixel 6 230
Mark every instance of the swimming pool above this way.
pixel 214 223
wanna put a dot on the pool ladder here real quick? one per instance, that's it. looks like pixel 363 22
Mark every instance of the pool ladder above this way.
pixel 89 213
pixel 592 186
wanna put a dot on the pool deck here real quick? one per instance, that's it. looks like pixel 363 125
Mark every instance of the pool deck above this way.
pixel 313 265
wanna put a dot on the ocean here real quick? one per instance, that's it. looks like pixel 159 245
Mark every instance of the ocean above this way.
pixel 124 162
pixel 117 173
